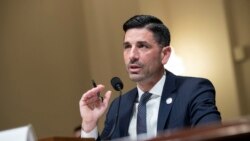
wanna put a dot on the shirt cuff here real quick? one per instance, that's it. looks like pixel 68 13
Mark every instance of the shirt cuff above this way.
pixel 92 134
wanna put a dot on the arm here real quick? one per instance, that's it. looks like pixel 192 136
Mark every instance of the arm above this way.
pixel 91 107
pixel 202 105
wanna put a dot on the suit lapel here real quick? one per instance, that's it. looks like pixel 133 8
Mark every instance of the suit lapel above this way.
pixel 127 106
pixel 167 100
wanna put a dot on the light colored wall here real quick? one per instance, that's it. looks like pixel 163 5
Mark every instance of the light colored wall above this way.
pixel 44 65
pixel 51 49
pixel 239 21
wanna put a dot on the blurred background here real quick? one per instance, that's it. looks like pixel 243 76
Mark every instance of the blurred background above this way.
pixel 51 49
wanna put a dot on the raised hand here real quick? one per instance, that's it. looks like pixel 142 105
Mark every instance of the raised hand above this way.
pixel 92 107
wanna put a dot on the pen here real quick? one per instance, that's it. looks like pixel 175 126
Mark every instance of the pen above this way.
pixel 98 94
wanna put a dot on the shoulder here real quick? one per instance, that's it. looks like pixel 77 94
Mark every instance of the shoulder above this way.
pixel 185 81
pixel 190 86
pixel 192 81
pixel 195 89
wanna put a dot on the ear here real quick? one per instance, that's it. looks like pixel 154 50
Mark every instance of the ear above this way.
pixel 165 54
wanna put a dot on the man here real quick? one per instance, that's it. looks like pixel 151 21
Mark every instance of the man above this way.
pixel 174 102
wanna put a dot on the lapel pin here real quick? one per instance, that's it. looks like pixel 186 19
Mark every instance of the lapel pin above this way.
pixel 169 100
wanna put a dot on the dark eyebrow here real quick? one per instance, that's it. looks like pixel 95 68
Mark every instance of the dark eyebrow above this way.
pixel 142 42
pixel 126 43
pixel 139 42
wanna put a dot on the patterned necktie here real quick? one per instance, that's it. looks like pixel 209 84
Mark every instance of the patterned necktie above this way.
pixel 142 112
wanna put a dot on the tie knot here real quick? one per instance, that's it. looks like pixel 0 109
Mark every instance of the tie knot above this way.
pixel 145 97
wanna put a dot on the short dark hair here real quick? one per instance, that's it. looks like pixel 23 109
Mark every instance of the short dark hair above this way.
pixel 153 24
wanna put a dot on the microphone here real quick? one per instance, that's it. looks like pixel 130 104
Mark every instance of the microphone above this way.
pixel 118 86
pixel 117 83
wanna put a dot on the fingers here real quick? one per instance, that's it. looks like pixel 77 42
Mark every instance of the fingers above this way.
pixel 91 106
pixel 91 97
pixel 93 92
pixel 107 98
pixel 91 100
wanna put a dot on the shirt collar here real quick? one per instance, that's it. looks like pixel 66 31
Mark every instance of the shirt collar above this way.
pixel 156 89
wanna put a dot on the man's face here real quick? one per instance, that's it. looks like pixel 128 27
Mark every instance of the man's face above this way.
pixel 144 58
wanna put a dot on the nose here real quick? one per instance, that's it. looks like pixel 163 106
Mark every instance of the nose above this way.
pixel 133 54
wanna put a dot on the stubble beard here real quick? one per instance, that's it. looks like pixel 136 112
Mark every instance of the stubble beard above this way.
pixel 136 77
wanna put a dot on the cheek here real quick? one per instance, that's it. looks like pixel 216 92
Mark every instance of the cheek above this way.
pixel 153 61
pixel 158 62
pixel 125 57
pixel 124 54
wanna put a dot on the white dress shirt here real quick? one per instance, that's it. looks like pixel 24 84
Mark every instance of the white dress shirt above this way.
pixel 152 113
pixel 152 110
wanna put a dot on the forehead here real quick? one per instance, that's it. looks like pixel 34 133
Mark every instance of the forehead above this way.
pixel 138 34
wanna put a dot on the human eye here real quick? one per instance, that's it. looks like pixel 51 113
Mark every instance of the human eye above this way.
pixel 126 45
pixel 143 45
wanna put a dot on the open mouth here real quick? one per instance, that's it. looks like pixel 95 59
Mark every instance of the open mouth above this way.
pixel 134 68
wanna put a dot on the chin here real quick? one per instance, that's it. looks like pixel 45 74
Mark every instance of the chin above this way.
pixel 136 77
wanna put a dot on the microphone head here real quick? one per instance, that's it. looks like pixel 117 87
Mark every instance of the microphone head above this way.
pixel 117 83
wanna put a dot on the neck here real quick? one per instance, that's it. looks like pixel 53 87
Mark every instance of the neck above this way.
pixel 149 83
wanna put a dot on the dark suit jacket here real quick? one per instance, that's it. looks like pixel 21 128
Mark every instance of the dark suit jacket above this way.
pixel 193 103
